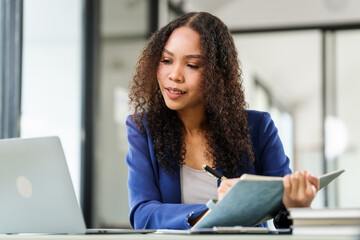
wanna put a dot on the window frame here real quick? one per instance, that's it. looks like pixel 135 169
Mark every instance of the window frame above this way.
pixel 11 13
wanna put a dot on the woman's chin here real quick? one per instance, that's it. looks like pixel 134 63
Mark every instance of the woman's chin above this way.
pixel 174 107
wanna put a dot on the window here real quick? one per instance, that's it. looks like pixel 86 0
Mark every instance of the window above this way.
pixel 51 89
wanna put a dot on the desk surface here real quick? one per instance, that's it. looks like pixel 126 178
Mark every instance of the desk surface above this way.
pixel 173 237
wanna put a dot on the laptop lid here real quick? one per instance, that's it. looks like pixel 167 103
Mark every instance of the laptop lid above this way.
pixel 37 195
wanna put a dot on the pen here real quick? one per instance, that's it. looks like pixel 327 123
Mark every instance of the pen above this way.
pixel 213 172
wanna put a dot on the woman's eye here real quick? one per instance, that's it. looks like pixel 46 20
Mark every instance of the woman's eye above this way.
pixel 193 66
pixel 165 61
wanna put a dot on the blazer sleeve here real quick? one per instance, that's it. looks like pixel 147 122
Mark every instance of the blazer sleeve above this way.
pixel 271 158
pixel 269 150
pixel 147 211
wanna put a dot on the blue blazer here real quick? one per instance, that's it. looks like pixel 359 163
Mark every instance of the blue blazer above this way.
pixel 155 197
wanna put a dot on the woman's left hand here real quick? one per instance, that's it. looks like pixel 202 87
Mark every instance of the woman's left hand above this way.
pixel 300 189
pixel 225 187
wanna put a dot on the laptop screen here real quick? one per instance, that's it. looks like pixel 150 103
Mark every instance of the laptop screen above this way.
pixel 37 195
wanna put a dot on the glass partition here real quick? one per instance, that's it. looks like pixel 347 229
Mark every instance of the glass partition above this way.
pixel 124 30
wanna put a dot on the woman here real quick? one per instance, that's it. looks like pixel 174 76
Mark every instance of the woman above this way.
pixel 189 110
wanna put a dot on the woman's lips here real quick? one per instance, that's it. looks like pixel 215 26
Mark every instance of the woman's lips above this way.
pixel 174 93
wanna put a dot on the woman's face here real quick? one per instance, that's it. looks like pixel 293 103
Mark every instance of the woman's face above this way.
pixel 180 69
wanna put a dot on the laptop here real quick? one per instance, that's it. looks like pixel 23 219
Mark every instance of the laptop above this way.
pixel 37 195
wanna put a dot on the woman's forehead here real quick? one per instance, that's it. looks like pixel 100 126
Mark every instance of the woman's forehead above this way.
pixel 184 40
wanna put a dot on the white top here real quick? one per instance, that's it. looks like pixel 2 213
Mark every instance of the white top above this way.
pixel 197 186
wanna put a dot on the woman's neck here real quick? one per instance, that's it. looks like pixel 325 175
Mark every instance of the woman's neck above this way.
pixel 192 120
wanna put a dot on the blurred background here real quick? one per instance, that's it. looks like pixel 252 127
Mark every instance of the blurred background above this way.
pixel 65 67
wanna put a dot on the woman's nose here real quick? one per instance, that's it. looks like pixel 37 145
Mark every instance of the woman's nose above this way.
pixel 176 74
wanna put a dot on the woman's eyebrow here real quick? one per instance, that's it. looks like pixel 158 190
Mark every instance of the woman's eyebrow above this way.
pixel 168 52
pixel 186 56
pixel 194 56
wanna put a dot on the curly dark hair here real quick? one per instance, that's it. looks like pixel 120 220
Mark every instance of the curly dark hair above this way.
pixel 225 127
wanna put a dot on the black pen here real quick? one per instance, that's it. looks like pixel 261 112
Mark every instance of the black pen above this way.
pixel 213 172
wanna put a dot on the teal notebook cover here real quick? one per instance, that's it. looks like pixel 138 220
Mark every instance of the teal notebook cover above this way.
pixel 251 202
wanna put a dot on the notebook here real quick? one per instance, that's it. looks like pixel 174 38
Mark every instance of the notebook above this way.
pixel 37 195
pixel 255 198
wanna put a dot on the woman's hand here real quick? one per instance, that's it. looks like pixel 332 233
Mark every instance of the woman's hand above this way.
pixel 225 187
pixel 300 189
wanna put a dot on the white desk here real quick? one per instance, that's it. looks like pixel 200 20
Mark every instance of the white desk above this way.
pixel 153 236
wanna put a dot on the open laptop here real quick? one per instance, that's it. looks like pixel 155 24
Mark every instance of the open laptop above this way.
pixel 36 192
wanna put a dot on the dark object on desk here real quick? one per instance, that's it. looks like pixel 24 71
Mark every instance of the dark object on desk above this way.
pixel 282 220
pixel 244 204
